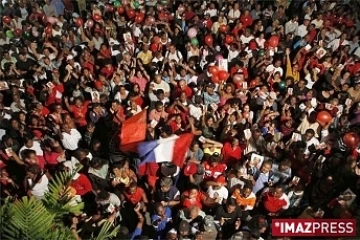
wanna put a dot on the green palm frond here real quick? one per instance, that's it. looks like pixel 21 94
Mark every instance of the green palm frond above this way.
pixel 107 231
pixel 29 219
pixel 4 216
pixel 57 200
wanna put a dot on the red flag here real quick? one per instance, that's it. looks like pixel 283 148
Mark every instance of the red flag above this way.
pixel 133 131
pixel 182 145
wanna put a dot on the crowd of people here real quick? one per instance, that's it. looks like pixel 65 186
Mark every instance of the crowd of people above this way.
pixel 270 91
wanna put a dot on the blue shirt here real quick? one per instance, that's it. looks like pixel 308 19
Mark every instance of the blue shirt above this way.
pixel 161 225
pixel 260 182
pixel 137 232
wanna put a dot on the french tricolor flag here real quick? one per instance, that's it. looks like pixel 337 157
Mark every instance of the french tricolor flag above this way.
pixel 172 149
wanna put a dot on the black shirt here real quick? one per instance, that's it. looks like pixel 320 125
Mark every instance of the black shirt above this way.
pixel 25 65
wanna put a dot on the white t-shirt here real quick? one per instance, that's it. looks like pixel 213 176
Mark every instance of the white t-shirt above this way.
pixel 234 14
pixel 232 55
pixel 162 85
pixel 36 147
pixel 246 40
pixel 302 31
pixel 318 23
pixel 271 68
pixel 211 12
pixel 312 141
pixel 71 141
pixel 177 56
pixel 222 193
pixel 38 191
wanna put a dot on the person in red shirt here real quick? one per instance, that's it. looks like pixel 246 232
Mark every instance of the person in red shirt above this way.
pixel 177 108
pixel 231 152
pixel 81 184
pixel 176 123
pixel 189 14
pixel 117 112
pixel 246 19
pixel 275 201
pixel 213 167
pixel 193 197
pixel 108 69
pixel 79 110
pixel 207 22
pixel 182 87
pixel 135 195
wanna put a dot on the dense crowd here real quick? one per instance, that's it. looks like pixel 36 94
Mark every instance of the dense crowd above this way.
pixel 264 94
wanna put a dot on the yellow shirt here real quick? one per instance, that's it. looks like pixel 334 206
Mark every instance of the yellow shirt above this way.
pixel 354 94
pixel 145 57
pixel 212 151
pixel 290 72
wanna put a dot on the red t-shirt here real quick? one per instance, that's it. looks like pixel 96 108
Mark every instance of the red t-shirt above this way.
pixel 136 197
pixel 212 172
pixel 174 126
pixel 272 204
pixel 51 99
pixel 82 185
pixel 107 71
pixel 230 154
pixel 188 91
pixel 119 115
pixel 80 113
pixel 246 20
pixel 51 158
pixel 187 203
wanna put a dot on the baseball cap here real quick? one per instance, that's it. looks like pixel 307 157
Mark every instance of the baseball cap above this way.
pixel 221 179
pixel 190 169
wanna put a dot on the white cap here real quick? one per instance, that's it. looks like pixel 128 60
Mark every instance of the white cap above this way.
pixel 273 95
pixel 69 57
pixel 75 15
pixel 307 17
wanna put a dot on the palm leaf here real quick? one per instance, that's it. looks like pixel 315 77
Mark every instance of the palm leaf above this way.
pixel 28 219
pixel 107 231
pixel 57 200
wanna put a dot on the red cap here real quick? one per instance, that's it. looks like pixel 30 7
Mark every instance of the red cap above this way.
pixel 98 84
pixel 190 169
pixel 221 179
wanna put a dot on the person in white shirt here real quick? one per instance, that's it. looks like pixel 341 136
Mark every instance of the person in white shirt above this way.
pixel 318 22
pixel 36 183
pixel 354 44
pixel 261 40
pixel 336 43
pixel 291 26
pixel 234 13
pixel 331 34
pixel 303 28
pixel 247 37
pixel 217 190
pixel 70 138
pixel 212 11
pixel 174 55
pixel 158 83
pixel 31 145
pixel 310 140
pixel 276 67
pixel 233 52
